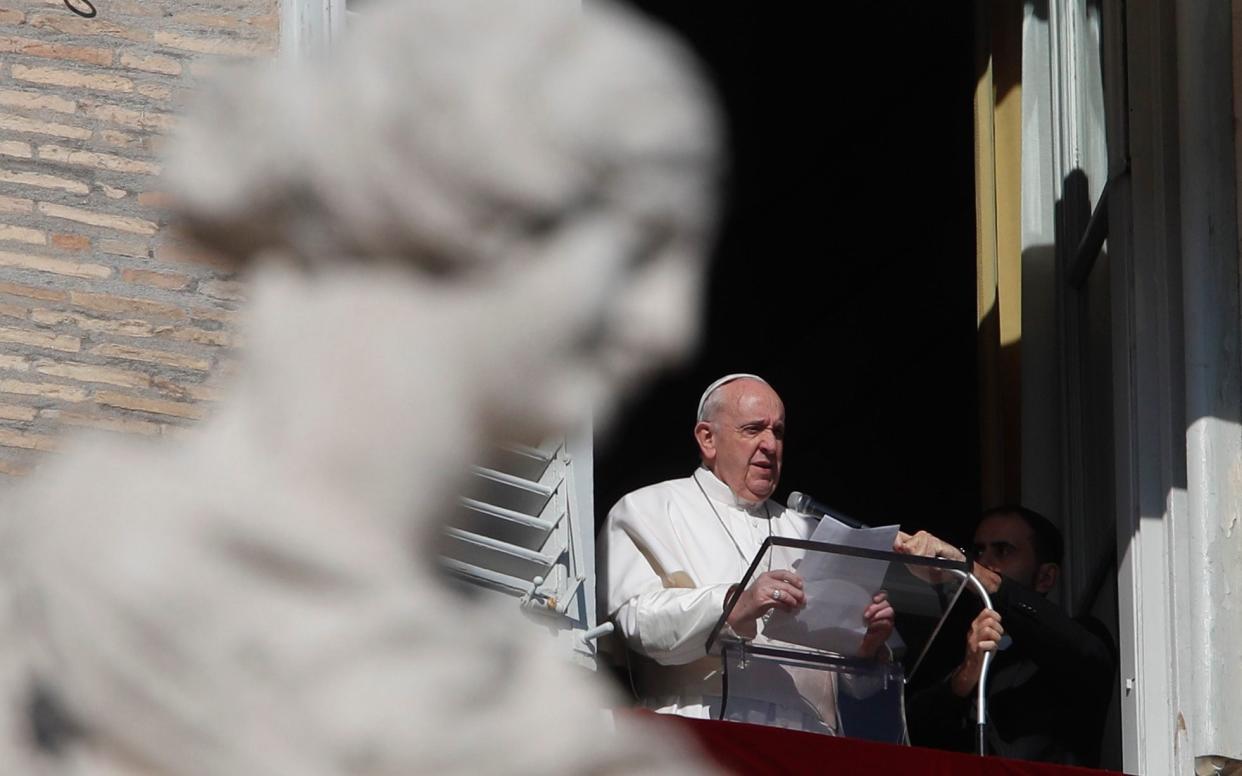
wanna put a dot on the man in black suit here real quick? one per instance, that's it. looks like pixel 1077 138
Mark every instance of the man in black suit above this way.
pixel 1051 677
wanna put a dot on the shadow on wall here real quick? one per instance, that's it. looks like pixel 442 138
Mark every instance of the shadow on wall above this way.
pixel 1068 437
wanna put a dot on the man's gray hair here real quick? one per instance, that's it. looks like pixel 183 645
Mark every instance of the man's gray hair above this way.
pixel 709 402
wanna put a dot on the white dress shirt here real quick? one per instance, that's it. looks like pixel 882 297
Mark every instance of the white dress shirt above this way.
pixel 670 553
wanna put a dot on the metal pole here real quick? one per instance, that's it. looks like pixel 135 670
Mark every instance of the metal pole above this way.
pixel 981 702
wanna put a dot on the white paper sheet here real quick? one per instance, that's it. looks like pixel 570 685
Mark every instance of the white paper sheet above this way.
pixel 838 588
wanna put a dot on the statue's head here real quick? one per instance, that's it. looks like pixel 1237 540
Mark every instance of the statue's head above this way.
pixel 552 163
pixel 514 199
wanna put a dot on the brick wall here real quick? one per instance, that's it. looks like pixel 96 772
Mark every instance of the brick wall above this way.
pixel 107 319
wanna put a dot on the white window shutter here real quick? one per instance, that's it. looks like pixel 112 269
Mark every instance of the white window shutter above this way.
pixel 525 530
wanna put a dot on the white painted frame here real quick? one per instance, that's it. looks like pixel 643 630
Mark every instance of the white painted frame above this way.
pixel 1173 239
pixel 310 26
pixel 1208 547
pixel 1177 375
pixel 1148 454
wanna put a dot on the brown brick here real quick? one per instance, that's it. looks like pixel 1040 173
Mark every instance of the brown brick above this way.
pixel 99 161
pixel 34 292
pixel 47 317
pixel 228 290
pixel 76 25
pixel 44 181
pixel 113 193
pixel 170 252
pixel 105 423
pixel 171 388
pixel 15 205
pixel 138 8
pixel 214 314
pixel 198 336
pixel 53 265
pixel 150 63
pixel 134 119
pixel 143 404
pixel 149 356
pixel 17 412
pixel 70 242
pixel 137 249
pixel 9 16
pixel 115 137
pixel 39 48
pixel 231 47
pixel 95 218
pixel 92 373
pixel 128 327
pixel 120 305
pixel 155 91
pixel 10 438
pixel 10 233
pixel 35 101
pixel 41 339
pixel 35 127
pixel 173 281
pixel 155 199
pixel 217 21
pixel 15 148
pixel 14 364
pixel 14 311
pixel 73 79
pixel 46 390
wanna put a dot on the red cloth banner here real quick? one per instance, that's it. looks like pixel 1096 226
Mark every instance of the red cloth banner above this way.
pixel 758 750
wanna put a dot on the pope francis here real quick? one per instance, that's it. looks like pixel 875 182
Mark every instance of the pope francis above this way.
pixel 670 553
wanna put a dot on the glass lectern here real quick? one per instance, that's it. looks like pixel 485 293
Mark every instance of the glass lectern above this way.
pixel 809 660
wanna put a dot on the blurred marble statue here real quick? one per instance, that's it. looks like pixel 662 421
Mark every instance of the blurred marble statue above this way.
pixel 475 220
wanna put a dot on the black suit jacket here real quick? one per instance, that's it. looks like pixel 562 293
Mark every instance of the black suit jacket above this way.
pixel 1048 692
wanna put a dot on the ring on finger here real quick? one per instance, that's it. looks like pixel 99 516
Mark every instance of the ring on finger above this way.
pixel 776 595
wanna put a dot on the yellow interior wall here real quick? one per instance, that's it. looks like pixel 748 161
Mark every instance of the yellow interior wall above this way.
pixel 998 261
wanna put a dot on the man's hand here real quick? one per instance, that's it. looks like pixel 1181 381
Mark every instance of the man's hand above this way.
pixel 989 578
pixel 925 545
pixel 879 617
pixel 985 633
pixel 770 590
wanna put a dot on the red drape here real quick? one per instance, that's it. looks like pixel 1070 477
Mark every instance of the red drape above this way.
pixel 754 749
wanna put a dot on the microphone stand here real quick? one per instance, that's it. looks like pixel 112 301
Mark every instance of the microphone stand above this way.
pixel 981 701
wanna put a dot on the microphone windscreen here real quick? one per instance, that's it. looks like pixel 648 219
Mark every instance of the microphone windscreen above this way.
pixel 797 501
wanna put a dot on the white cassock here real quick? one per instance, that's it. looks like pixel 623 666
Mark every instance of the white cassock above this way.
pixel 670 552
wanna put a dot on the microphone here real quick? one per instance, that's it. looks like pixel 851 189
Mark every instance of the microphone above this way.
pixel 801 502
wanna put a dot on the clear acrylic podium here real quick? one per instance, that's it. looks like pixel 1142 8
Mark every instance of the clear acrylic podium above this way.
pixel 809 661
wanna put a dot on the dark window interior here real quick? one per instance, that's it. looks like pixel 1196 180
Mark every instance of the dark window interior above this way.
pixel 845 272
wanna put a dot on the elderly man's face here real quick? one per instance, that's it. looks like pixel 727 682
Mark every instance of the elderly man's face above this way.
pixel 743 443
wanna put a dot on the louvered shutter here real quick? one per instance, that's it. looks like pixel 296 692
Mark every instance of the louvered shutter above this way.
pixel 525 530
